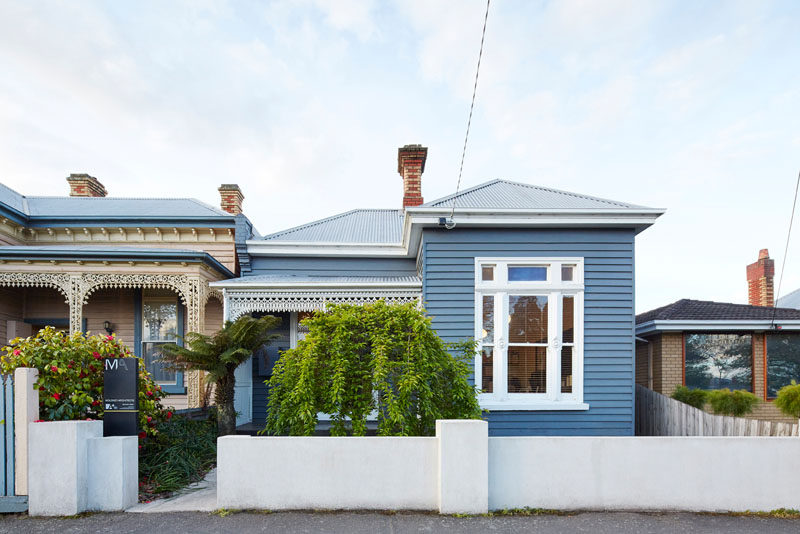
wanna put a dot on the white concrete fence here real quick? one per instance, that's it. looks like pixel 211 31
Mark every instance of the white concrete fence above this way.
pixel 462 470
pixel 446 473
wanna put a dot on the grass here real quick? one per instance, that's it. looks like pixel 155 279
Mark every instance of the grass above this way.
pixel 182 453
pixel 780 513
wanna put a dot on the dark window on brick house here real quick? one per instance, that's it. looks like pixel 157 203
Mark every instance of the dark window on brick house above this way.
pixel 783 361
pixel 717 361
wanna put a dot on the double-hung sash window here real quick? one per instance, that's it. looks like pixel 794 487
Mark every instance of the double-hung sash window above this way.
pixel 162 323
pixel 529 327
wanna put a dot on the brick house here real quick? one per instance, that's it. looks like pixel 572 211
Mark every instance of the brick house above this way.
pixel 137 267
pixel 714 345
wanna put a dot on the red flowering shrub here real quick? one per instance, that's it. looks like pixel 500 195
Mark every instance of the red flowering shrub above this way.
pixel 71 377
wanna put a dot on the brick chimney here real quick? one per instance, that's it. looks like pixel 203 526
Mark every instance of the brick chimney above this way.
pixel 411 165
pixel 760 277
pixel 83 185
pixel 231 198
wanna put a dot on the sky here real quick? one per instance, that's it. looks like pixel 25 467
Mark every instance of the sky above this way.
pixel 689 106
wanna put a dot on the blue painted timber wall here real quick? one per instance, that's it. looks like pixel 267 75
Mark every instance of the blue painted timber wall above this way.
pixel 448 293
pixel 333 266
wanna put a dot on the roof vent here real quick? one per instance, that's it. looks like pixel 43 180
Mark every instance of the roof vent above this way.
pixel 83 185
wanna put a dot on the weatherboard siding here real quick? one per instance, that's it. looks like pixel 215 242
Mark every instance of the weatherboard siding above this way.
pixel 333 266
pixel 448 294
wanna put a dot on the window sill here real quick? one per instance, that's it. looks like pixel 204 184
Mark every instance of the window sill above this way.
pixel 500 406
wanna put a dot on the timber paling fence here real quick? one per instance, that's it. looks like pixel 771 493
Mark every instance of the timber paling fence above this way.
pixel 659 415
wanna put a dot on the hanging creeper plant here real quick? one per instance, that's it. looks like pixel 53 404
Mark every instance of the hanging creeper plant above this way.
pixel 376 360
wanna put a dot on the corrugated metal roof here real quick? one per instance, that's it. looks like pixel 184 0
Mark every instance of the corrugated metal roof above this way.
pixel 310 279
pixel 792 300
pixel 356 226
pixel 106 207
pixel 504 194
pixel 11 198
pixel 120 207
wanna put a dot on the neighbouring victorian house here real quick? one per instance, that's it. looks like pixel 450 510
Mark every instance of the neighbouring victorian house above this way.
pixel 543 279
pixel 137 267
pixel 715 345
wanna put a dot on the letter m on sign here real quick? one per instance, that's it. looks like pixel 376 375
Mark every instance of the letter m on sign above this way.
pixel 111 364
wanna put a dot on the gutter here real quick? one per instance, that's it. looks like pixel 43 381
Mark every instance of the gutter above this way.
pixel 165 256
pixel 715 325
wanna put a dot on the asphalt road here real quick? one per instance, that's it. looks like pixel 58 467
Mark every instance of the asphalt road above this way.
pixel 358 523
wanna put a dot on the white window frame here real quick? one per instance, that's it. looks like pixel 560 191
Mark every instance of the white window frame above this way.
pixel 554 288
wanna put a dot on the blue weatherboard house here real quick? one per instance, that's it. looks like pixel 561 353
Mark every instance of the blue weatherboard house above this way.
pixel 543 279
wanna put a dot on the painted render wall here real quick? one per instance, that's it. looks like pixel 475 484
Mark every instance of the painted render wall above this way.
pixel 448 293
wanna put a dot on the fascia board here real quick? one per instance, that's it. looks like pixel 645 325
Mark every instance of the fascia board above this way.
pixel 715 325
pixel 131 222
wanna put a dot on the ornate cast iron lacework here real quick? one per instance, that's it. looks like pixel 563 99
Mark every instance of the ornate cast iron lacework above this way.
pixel 77 288
pixel 242 302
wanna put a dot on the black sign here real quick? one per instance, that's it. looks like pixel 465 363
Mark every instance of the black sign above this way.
pixel 121 397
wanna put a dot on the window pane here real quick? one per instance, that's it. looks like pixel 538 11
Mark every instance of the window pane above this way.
pixel 527 369
pixel 527 274
pixel 487 334
pixel 566 370
pixel 568 321
pixel 567 273
pixel 487 369
pixel 716 361
pixel 152 361
pixel 487 273
pixel 160 320
pixel 527 319
pixel 783 361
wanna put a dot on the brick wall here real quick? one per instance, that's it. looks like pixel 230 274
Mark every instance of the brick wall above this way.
pixel 671 360
pixel 641 363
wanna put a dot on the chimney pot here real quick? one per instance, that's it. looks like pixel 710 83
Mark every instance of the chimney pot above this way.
pixel 231 198
pixel 760 280
pixel 83 185
pixel 410 165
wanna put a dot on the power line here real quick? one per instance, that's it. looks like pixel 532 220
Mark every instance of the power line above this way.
pixel 450 224
pixel 786 250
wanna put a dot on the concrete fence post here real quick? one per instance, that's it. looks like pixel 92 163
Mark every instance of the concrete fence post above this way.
pixel 113 473
pixel 58 470
pixel 463 486
pixel 26 410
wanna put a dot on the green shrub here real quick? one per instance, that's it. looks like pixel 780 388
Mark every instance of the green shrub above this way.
pixel 788 400
pixel 181 453
pixel 727 402
pixel 71 376
pixel 376 357
pixel 693 397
